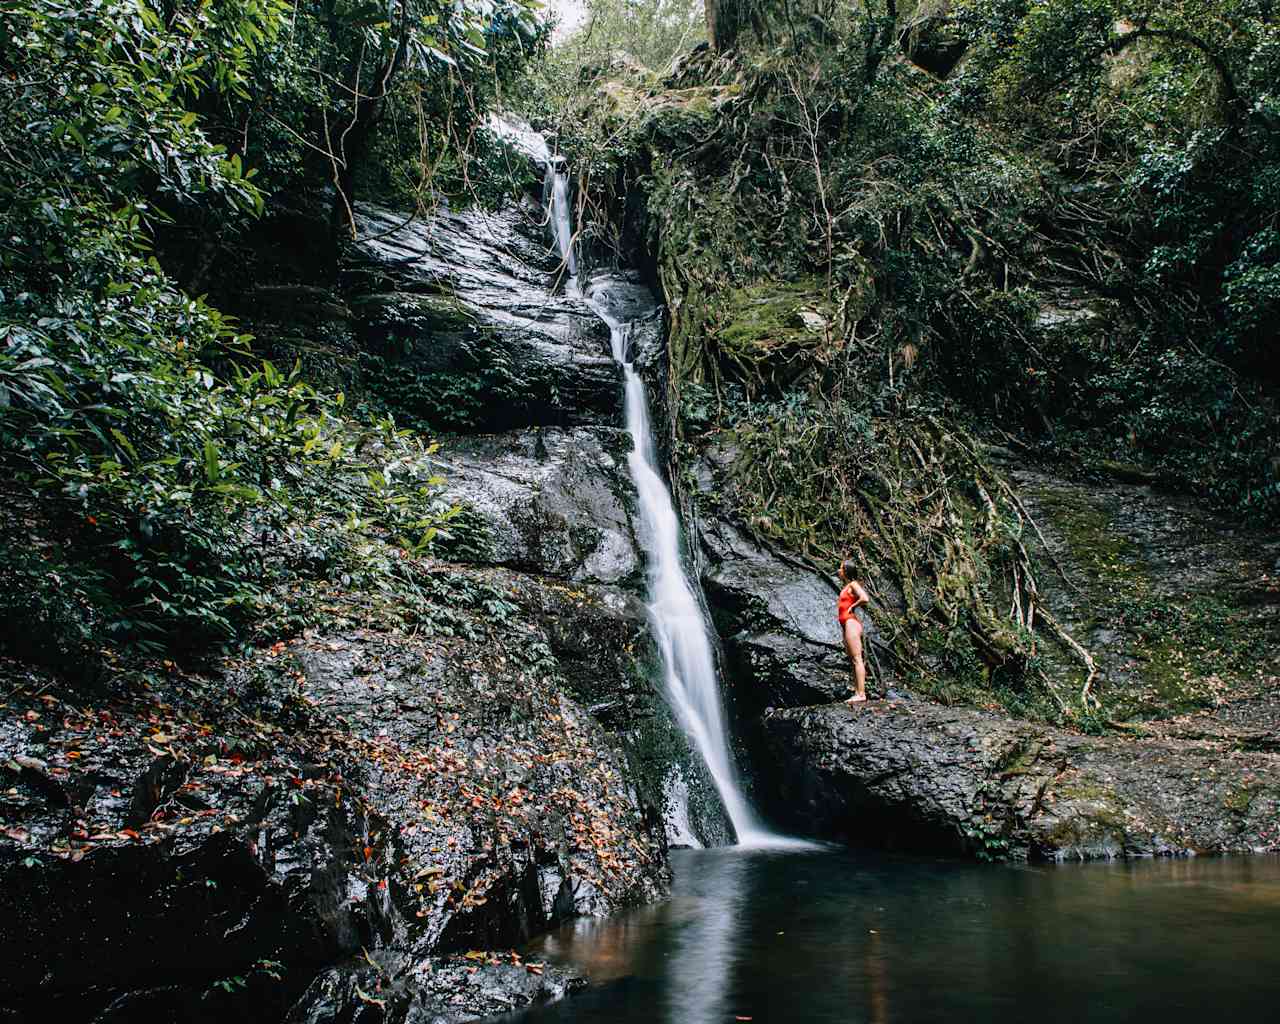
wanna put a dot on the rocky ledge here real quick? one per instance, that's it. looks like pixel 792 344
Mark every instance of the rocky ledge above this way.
pixel 1180 612
pixel 921 775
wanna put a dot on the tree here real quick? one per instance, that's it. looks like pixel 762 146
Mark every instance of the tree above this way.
pixel 143 450
pixel 772 21
pixel 651 31
pixel 726 21
pixel 349 64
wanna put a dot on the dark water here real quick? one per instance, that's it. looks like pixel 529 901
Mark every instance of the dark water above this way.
pixel 855 937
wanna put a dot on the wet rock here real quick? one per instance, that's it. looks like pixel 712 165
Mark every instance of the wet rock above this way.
pixel 626 297
pixel 475 295
pixel 776 619
pixel 159 782
pixel 601 638
pixel 195 904
pixel 409 797
pixel 929 777
pixel 394 990
pixel 553 502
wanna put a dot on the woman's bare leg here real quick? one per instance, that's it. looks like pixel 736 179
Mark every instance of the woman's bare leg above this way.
pixel 853 644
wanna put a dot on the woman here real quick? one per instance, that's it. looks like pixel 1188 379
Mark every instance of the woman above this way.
pixel 853 596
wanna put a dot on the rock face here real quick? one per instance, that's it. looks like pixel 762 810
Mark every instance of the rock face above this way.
pixel 540 469
pixel 554 502
pixel 776 619
pixel 936 778
pixel 349 793
pixel 1179 607
pixel 1177 613
pixel 466 308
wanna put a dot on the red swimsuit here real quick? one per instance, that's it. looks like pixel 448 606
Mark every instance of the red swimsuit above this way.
pixel 844 607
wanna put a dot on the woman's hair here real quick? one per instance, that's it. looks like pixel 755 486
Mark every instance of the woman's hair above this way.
pixel 847 569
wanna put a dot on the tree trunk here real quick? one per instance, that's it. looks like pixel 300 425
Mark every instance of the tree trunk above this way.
pixel 726 19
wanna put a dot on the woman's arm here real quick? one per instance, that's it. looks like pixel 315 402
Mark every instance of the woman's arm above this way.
pixel 862 596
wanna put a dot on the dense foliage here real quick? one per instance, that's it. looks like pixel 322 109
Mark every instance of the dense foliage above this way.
pixel 653 33
pixel 1163 122
pixel 1047 224
pixel 165 486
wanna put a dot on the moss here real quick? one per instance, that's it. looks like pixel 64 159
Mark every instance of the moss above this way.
pixel 1095 545
pixel 666 110
pixel 420 315
pixel 1098 806
pixel 1238 798
pixel 1169 653
pixel 1019 758
pixel 763 322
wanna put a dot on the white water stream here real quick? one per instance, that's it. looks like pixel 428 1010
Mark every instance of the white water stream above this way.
pixel 675 614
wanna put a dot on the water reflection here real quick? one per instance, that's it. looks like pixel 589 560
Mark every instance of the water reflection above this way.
pixel 841 938
pixel 701 960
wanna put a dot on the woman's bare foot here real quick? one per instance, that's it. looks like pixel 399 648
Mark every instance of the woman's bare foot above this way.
pixel 857 698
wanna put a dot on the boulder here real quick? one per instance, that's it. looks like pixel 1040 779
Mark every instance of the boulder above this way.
pixel 396 990
pixel 413 797
pixel 552 502
pixel 776 619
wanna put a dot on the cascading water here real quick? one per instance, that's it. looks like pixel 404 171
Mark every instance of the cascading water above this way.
pixel 675 613
pixel 561 221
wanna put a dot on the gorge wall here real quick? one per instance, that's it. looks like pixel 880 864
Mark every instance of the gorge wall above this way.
pixel 361 822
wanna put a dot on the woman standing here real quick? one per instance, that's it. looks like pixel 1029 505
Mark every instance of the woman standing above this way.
pixel 852 597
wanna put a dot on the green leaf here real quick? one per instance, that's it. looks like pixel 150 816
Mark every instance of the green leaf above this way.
pixel 212 472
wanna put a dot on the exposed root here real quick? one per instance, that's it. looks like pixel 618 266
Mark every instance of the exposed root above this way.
pixel 1087 699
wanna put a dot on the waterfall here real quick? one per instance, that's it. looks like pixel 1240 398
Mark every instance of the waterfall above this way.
pixel 561 217
pixel 675 613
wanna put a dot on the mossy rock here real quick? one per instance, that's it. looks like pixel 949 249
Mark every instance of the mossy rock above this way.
pixel 762 328
pixel 663 110
pixel 424 315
